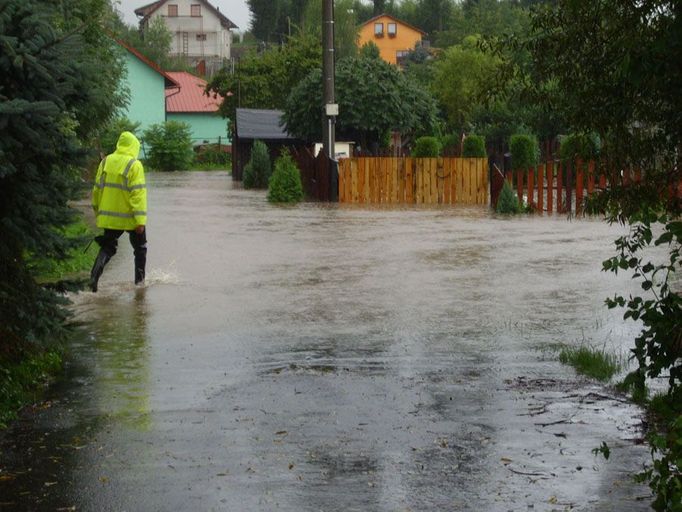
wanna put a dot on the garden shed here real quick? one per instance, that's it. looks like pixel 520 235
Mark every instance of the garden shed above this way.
pixel 258 124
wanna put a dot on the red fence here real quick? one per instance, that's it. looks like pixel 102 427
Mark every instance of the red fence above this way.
pixel 562 187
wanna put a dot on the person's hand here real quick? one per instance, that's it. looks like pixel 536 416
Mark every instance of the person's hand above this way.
pixel 139 229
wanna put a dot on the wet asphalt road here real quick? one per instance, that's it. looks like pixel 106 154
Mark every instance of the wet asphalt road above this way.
pixel 332 358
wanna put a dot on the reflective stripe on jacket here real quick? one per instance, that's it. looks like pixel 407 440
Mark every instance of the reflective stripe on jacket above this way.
pixel 119 196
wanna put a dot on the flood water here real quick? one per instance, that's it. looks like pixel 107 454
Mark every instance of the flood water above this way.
pixel 335 358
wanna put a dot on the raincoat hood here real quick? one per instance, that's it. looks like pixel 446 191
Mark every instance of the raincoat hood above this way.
pixel 128 145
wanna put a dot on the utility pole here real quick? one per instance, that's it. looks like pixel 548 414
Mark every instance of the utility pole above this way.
pixel 331 109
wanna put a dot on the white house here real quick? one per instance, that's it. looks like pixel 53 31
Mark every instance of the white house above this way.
pixel 200 31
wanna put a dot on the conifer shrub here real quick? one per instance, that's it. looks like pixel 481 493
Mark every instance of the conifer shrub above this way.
pixel 508 202
pixel 474 147
pixel 169 146
pixel 258 170
pixel 426 147
pixel 285 183
pixel 524 151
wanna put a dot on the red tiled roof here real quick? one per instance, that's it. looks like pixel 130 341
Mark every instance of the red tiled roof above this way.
pixel 190 97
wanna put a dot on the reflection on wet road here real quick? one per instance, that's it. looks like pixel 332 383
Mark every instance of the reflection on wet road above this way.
pixel 323 358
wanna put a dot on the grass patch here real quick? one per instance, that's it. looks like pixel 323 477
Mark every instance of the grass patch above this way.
pixel 594 363
pixel 23 382
pixel 79 260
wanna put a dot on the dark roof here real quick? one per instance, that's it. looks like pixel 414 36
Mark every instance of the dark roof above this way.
pixel 169 81
pixel 262 124
pixel 394 19
pixel 147 10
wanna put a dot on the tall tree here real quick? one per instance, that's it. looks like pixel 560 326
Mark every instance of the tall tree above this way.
pixel 616 67
pixel 461 78
pixel 265 80
pixel 374 97
pixel 58 77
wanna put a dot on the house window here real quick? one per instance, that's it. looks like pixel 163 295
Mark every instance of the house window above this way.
pixel 201 37
pixel 173 10
pixel 195 10
pixel 379 30
pixel 392 29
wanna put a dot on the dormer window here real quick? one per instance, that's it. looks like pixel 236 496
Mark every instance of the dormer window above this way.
pixel 195 10
pixel 378 30
pixel 392 29
pixel 172 10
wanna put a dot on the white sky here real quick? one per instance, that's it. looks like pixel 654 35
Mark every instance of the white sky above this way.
pixel 235 10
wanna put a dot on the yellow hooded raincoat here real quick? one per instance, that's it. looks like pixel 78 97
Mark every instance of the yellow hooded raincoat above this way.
pixel 119 196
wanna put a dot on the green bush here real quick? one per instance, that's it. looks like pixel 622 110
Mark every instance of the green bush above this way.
pixel 109 136
pixel 474 147
pixel 425 147
pixel 449 143
pixel 524 151
pixel 285 183
pixel 212 156
pixel 508 202
pixel 258 170
pixel 585 146
pixel 169 146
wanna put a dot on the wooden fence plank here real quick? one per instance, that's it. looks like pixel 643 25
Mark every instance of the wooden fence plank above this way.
pixel 549 170
pixel 484 176
pixel 590 177
pixel 519 185
pixel 559 188
pixel 579 188
pixel 531 188
pixel 409 180
pixel 342 172
pixel 447 181
pixel 394 174
pixel 434 180
pixel 541 188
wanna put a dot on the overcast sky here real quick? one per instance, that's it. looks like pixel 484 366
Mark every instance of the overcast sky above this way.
pixel 236 11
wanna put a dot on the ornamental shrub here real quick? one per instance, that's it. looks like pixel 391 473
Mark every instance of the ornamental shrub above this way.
pixel 450 143
pixel 258 170
pixel 425 147
pixel 508 202
pixel 524 151
pixel 585 146
pixel 168 146
pixel 285 183
pixel 474 147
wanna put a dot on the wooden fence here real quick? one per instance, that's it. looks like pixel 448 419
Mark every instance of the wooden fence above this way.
pixel 413 180
pixel 563 187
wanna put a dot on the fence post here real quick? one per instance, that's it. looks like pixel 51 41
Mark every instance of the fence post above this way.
pixel 559 188
pixel 569 186
pixel 333 166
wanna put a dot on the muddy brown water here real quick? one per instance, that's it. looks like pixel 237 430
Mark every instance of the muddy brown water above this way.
pixel 335 358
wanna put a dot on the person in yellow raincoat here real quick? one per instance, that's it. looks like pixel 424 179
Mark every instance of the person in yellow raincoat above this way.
pixel 119 198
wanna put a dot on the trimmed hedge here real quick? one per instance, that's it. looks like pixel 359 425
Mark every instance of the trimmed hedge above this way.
pixel 524 151
pixel 585 146
pixel 474 147
pixel 169 146
pixel 425 147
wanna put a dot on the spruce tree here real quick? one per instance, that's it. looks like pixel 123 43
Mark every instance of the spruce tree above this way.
pixel 54 89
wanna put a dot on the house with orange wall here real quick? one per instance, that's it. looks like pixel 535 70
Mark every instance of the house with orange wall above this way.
pixel 394 38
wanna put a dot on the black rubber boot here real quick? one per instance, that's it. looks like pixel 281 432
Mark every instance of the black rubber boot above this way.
pixel 97 269
pixel 139 274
